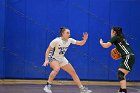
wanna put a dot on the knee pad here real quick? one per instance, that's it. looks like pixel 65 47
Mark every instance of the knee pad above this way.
pixel 121 75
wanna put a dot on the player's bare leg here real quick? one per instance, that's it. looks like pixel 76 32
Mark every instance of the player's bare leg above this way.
pixel 55 66
pixel 69 69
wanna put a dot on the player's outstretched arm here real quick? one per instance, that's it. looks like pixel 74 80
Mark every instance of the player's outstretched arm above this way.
pixel 105 45
pixel 82 42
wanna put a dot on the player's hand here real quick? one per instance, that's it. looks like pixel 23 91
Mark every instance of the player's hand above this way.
pixel 85 36
pixel 45 63
pixel 101 41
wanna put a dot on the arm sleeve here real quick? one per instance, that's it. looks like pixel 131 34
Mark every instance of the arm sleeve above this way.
pixel 113 39
pixel 73 41
pixel 53 43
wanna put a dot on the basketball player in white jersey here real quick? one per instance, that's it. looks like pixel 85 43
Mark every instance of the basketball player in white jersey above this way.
pixel 55 57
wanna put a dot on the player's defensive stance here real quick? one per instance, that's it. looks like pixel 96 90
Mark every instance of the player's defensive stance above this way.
pixel 55 57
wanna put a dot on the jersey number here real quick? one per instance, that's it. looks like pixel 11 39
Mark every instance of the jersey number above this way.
pixel 62 52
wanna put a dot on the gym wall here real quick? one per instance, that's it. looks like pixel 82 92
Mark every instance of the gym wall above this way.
pixel 30 25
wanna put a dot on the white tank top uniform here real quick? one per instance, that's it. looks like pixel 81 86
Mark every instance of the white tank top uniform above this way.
pixel 59 49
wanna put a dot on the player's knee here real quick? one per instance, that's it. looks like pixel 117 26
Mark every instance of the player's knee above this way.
pixel 121 75
pixel 56 70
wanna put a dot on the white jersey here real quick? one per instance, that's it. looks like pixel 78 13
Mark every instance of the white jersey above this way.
pixel 60 47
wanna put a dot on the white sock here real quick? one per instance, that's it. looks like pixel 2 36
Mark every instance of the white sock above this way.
pixel 81 86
